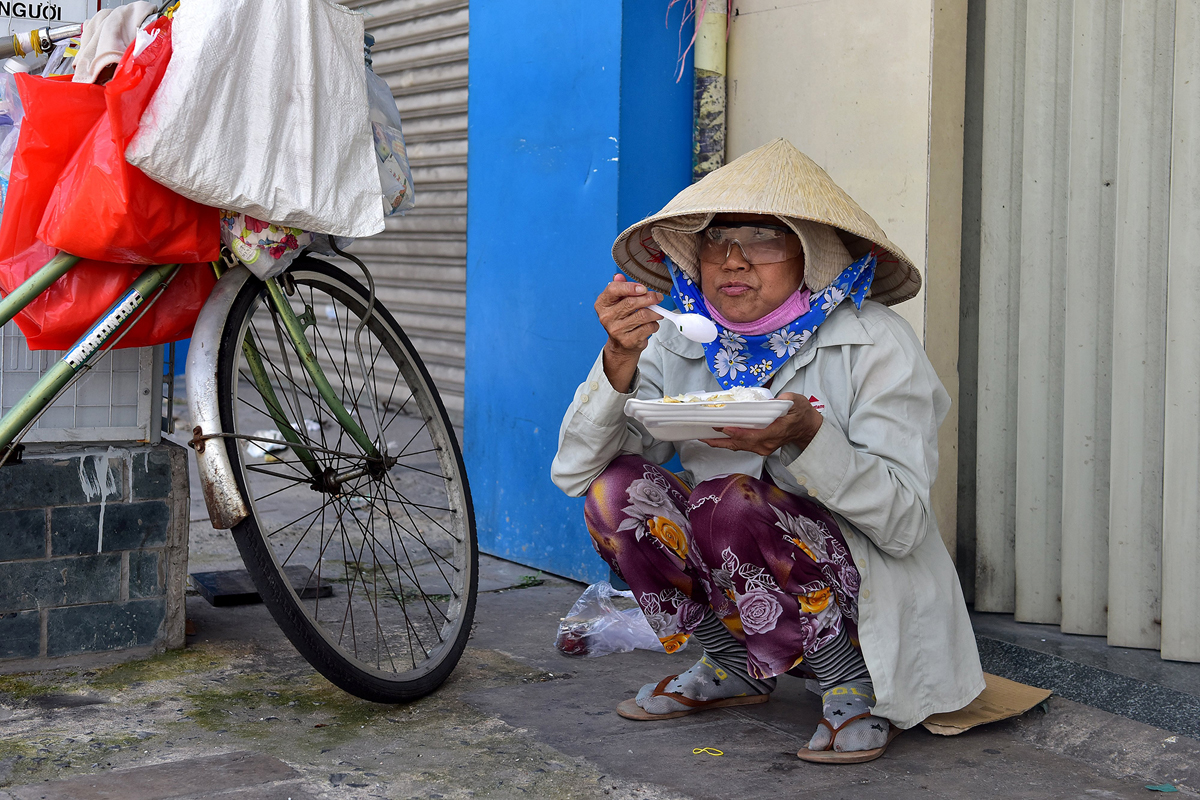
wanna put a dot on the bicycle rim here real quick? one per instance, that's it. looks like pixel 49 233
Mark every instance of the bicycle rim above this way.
pixel 373 580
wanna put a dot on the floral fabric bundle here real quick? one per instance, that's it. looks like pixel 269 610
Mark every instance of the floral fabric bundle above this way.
pixel 265 248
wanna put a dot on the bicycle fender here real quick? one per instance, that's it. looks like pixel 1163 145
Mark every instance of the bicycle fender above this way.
pixel 226 507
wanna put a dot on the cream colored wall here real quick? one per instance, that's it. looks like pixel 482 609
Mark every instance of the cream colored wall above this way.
pixel 872 90
pixel 944 240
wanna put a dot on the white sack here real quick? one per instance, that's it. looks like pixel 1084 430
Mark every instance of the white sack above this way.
pixel 263 111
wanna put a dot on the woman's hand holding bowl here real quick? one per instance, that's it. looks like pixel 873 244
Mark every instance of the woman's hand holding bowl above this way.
pixel 622 309
pixel 798 426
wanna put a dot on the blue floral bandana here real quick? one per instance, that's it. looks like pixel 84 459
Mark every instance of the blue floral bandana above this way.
pixel 738 359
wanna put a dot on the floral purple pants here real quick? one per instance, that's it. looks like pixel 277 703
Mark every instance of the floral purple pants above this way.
pixel 772 565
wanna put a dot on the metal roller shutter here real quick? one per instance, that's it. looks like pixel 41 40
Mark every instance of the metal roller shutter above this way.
pixel 1088 423
pixel 419 261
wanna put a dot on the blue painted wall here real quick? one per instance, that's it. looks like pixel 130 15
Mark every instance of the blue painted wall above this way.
pixel 576 129
pixel 656 111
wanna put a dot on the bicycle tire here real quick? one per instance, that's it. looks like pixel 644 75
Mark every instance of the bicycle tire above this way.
pixel 352 664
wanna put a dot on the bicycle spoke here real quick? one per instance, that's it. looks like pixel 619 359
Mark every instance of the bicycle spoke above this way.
pixel 349 612
pixel 412 438
pixel 400 410
pixel 283 528
pixel 426 545
pixel 285 379
pixel 366 540
pixel 269 495
pixel 294 479
pixel 417 452
pixel 304 536
pixel 399 593
pixel 380 641
pixel 373 606
pixel 412 575
pixel 422 471
pixel 406 502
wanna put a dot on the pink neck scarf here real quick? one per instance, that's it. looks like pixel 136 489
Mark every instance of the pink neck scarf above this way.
pixel 792 308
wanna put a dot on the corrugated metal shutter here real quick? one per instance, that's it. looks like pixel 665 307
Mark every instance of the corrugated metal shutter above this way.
pixel 1089 382
pixel 419 261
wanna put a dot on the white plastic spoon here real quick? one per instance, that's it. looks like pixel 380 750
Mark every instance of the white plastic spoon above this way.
pixel 696 327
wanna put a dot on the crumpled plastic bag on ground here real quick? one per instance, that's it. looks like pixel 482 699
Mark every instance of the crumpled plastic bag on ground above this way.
pixel 596 627
pixel 263 111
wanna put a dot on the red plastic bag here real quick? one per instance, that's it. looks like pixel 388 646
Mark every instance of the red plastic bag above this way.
pixel 105 209
pixel 59 115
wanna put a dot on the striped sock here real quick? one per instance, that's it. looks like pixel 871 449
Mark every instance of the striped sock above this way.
pixel 723 649
pixel 838 662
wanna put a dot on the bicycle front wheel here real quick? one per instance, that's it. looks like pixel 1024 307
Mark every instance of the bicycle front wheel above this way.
pixel 368 565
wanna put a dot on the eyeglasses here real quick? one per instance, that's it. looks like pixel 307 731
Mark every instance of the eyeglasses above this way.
pixel 760 244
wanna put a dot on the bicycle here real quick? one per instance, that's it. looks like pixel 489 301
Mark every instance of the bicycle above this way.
pixel 310 404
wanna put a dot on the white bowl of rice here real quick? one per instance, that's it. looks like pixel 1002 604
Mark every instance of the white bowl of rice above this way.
pixel 697 415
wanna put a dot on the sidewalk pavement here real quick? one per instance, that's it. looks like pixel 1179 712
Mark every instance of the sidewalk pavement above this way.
pixel 239 715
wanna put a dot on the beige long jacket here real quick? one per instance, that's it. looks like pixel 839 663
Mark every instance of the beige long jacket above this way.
pixel 872 464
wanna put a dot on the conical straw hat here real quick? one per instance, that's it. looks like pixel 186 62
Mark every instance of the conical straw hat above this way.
pixel 773 179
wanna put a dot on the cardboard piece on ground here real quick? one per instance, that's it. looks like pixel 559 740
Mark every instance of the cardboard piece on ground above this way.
pixel 1001 699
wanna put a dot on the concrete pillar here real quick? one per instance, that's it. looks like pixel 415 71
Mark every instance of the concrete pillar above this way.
pixel 93 554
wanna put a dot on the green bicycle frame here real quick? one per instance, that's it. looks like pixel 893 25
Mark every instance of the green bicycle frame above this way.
pixel 262 380
pixel 37 283
pixel 14 423
pixel 294 328
pixel 64 371
pixel 295 331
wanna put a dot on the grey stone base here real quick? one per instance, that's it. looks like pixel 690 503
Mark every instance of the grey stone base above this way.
pixel 93 553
